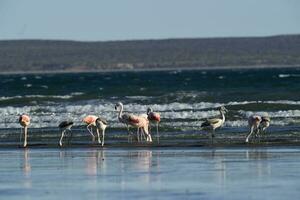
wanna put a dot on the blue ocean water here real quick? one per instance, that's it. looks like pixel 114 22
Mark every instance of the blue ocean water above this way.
pixel 184 99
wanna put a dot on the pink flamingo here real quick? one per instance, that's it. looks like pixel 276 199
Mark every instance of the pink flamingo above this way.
pixel 90 121
pixel 154 117
pixel 139 122
pixel 24 121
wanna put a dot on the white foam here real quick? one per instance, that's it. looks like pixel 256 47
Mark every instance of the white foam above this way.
pixel 28 85
pixel 283 102
pixel 175 114
pixel 288 75
pixel 276 114
pixel 4 98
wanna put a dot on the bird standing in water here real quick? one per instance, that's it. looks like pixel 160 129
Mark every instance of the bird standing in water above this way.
pixel 24 121
pixel 101 125
pixel 64 126
pixel 154 117
pixel 214 123
pixel 90 121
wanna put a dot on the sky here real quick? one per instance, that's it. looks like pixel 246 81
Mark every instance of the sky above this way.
pixel 103 20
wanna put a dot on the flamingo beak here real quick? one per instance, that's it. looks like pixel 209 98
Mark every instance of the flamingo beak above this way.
pixel 116 107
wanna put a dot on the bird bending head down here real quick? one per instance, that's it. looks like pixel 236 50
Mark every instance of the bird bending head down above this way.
pixel 24 121
pixel 265 122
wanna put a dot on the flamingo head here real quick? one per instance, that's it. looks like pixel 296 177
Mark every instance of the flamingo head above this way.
pixel 223 109
pixel 119 104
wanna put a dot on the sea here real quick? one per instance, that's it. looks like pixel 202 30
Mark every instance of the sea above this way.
pixel 184 98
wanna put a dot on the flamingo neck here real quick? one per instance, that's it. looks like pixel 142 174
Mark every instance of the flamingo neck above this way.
pixel 223 116
pixel 120 112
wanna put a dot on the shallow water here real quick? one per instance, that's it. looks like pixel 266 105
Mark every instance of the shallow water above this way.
pixel 142 173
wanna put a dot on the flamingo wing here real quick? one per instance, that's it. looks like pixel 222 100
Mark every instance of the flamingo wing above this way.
pixel 210 122
pixel 102 120
pixel 90 119
pixel 64 124
pixel 134 119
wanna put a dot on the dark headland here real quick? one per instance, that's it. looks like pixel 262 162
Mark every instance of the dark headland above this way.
pixel 19 56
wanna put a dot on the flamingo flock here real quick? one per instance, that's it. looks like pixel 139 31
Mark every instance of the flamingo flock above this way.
pixel 137 121
pixel 142 122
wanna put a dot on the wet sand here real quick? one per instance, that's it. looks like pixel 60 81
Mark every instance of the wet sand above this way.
pixel 150 173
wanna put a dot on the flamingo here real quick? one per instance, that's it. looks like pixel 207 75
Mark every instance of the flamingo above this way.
pixel 214 123
pixel 64 126
pixel 133 120
pixel 154 117
pixel 90 121
pixel 253 122
pixel 101 124
pixel 24 121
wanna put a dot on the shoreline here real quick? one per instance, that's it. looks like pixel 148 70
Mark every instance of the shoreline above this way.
pixel 247 67
pixel 153 146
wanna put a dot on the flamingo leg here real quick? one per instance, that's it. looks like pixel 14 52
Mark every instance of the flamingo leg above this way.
pixel 71 135
pixel 129 134
pixel 138 134
pixel 143 137
pixel 61 138
pixel 98 134
pixel 103 134
pixel 251 131
pixel 148 135
pixel 21 136
pixel 142 134
pixel 257 134
pixel 157 132
pixel 91 131
pixel 212 135
pixel 25 136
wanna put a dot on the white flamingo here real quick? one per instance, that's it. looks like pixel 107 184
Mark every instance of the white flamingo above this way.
pixel 101 125
pixel 214 123
pixel 64 126
pixel 140 122
pixel 24 121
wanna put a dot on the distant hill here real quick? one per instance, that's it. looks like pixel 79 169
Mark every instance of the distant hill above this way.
pixel 50 55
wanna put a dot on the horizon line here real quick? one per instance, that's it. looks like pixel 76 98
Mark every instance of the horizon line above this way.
pixel 151 39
